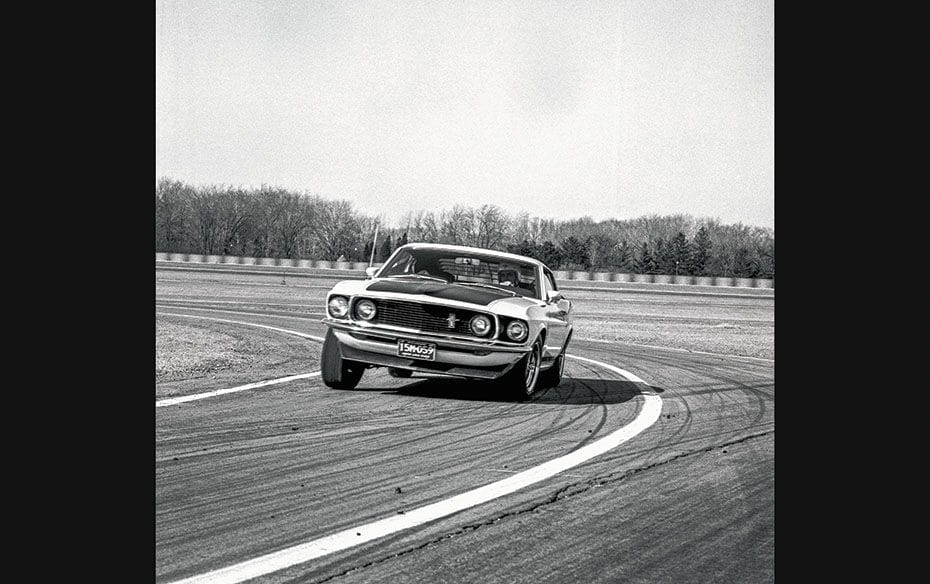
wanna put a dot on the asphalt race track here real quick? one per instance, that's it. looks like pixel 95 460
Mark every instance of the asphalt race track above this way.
pixel 239 476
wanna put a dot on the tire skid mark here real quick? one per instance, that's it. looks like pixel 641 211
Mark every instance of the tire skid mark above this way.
pixel 725 373
pixel 717 382
pixel 568 491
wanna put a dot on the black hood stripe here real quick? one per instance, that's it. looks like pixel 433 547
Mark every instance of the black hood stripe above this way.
pixel 480 296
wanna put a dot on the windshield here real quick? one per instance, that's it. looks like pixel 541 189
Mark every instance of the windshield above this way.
pixel 454 266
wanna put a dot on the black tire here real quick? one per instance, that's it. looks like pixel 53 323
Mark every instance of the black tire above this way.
pixel 522 381
pixel 337 372
pixel 402 373
pixel 552 376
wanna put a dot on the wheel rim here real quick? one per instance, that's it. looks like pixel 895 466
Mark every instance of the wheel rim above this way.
pixel 532 370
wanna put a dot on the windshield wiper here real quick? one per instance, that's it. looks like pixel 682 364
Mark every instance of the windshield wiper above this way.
pixel 443 280
pixel 492 287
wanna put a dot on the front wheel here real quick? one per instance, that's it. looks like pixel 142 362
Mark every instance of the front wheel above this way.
pixel 522 380
pixel 337 372
pixel 553 376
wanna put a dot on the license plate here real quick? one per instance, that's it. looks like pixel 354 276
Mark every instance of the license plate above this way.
pixel 425 351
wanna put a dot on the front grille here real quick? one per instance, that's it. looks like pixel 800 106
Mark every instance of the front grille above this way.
pixel 425 317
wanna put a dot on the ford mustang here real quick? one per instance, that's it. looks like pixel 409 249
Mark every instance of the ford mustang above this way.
pixel 450 310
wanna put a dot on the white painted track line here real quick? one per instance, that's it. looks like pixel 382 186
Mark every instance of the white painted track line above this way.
pixel 187 398
pixel 298 554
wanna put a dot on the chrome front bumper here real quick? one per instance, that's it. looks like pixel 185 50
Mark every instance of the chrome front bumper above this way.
pixel 377 346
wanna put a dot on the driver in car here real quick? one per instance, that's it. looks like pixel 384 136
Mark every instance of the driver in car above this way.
pixel 508 276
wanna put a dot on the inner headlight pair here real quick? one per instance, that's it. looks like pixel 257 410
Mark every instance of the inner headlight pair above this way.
pixel 339 308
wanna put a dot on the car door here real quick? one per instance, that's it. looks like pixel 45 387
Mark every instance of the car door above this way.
pixel 558 315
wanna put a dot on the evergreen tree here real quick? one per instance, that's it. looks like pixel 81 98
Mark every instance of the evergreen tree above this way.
pixel 403 240
pixel 524 248
pixel 664 257
pixel 550 255
pixel 681 255
pixel 625 261
pixel 386 249
pixel 744 265
pixel 700 252
pixel 367 251
pixel 575 253
pixel 645 263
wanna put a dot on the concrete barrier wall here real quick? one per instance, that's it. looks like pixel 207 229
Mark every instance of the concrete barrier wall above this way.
pixel 560 275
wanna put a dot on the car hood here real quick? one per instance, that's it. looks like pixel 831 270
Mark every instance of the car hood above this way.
pixel 469 294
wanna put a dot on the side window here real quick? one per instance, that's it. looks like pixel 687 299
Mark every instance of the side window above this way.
pixel 550 281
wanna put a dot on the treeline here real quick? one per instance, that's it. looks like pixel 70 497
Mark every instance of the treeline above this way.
pixel 274 222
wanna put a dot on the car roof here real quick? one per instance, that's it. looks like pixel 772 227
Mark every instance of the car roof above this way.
pixel 466 249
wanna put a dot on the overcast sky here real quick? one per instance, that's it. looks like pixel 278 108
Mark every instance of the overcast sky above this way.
pixel 560 108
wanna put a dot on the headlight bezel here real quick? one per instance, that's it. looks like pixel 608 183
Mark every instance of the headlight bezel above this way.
pixel 366 302
pixel 516 323
pixel 480 318
pixel 342 304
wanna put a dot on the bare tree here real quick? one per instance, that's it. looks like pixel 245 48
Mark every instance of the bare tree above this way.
pixel 234 212
pixel 457 226
pixel 205 204
pixel 293 215
pixel 337 229
pixel 172 208
pixel 490 227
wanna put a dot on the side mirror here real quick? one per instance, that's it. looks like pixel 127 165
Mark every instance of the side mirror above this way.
pixel 370 271
pixel 553 296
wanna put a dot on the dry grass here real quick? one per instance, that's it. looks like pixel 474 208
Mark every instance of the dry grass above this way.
pixel 189 351
pixel 199 355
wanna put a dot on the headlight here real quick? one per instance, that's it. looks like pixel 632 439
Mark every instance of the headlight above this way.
pixel 516 330
pixel 480 325
pixel 338 306
pixel 365 309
